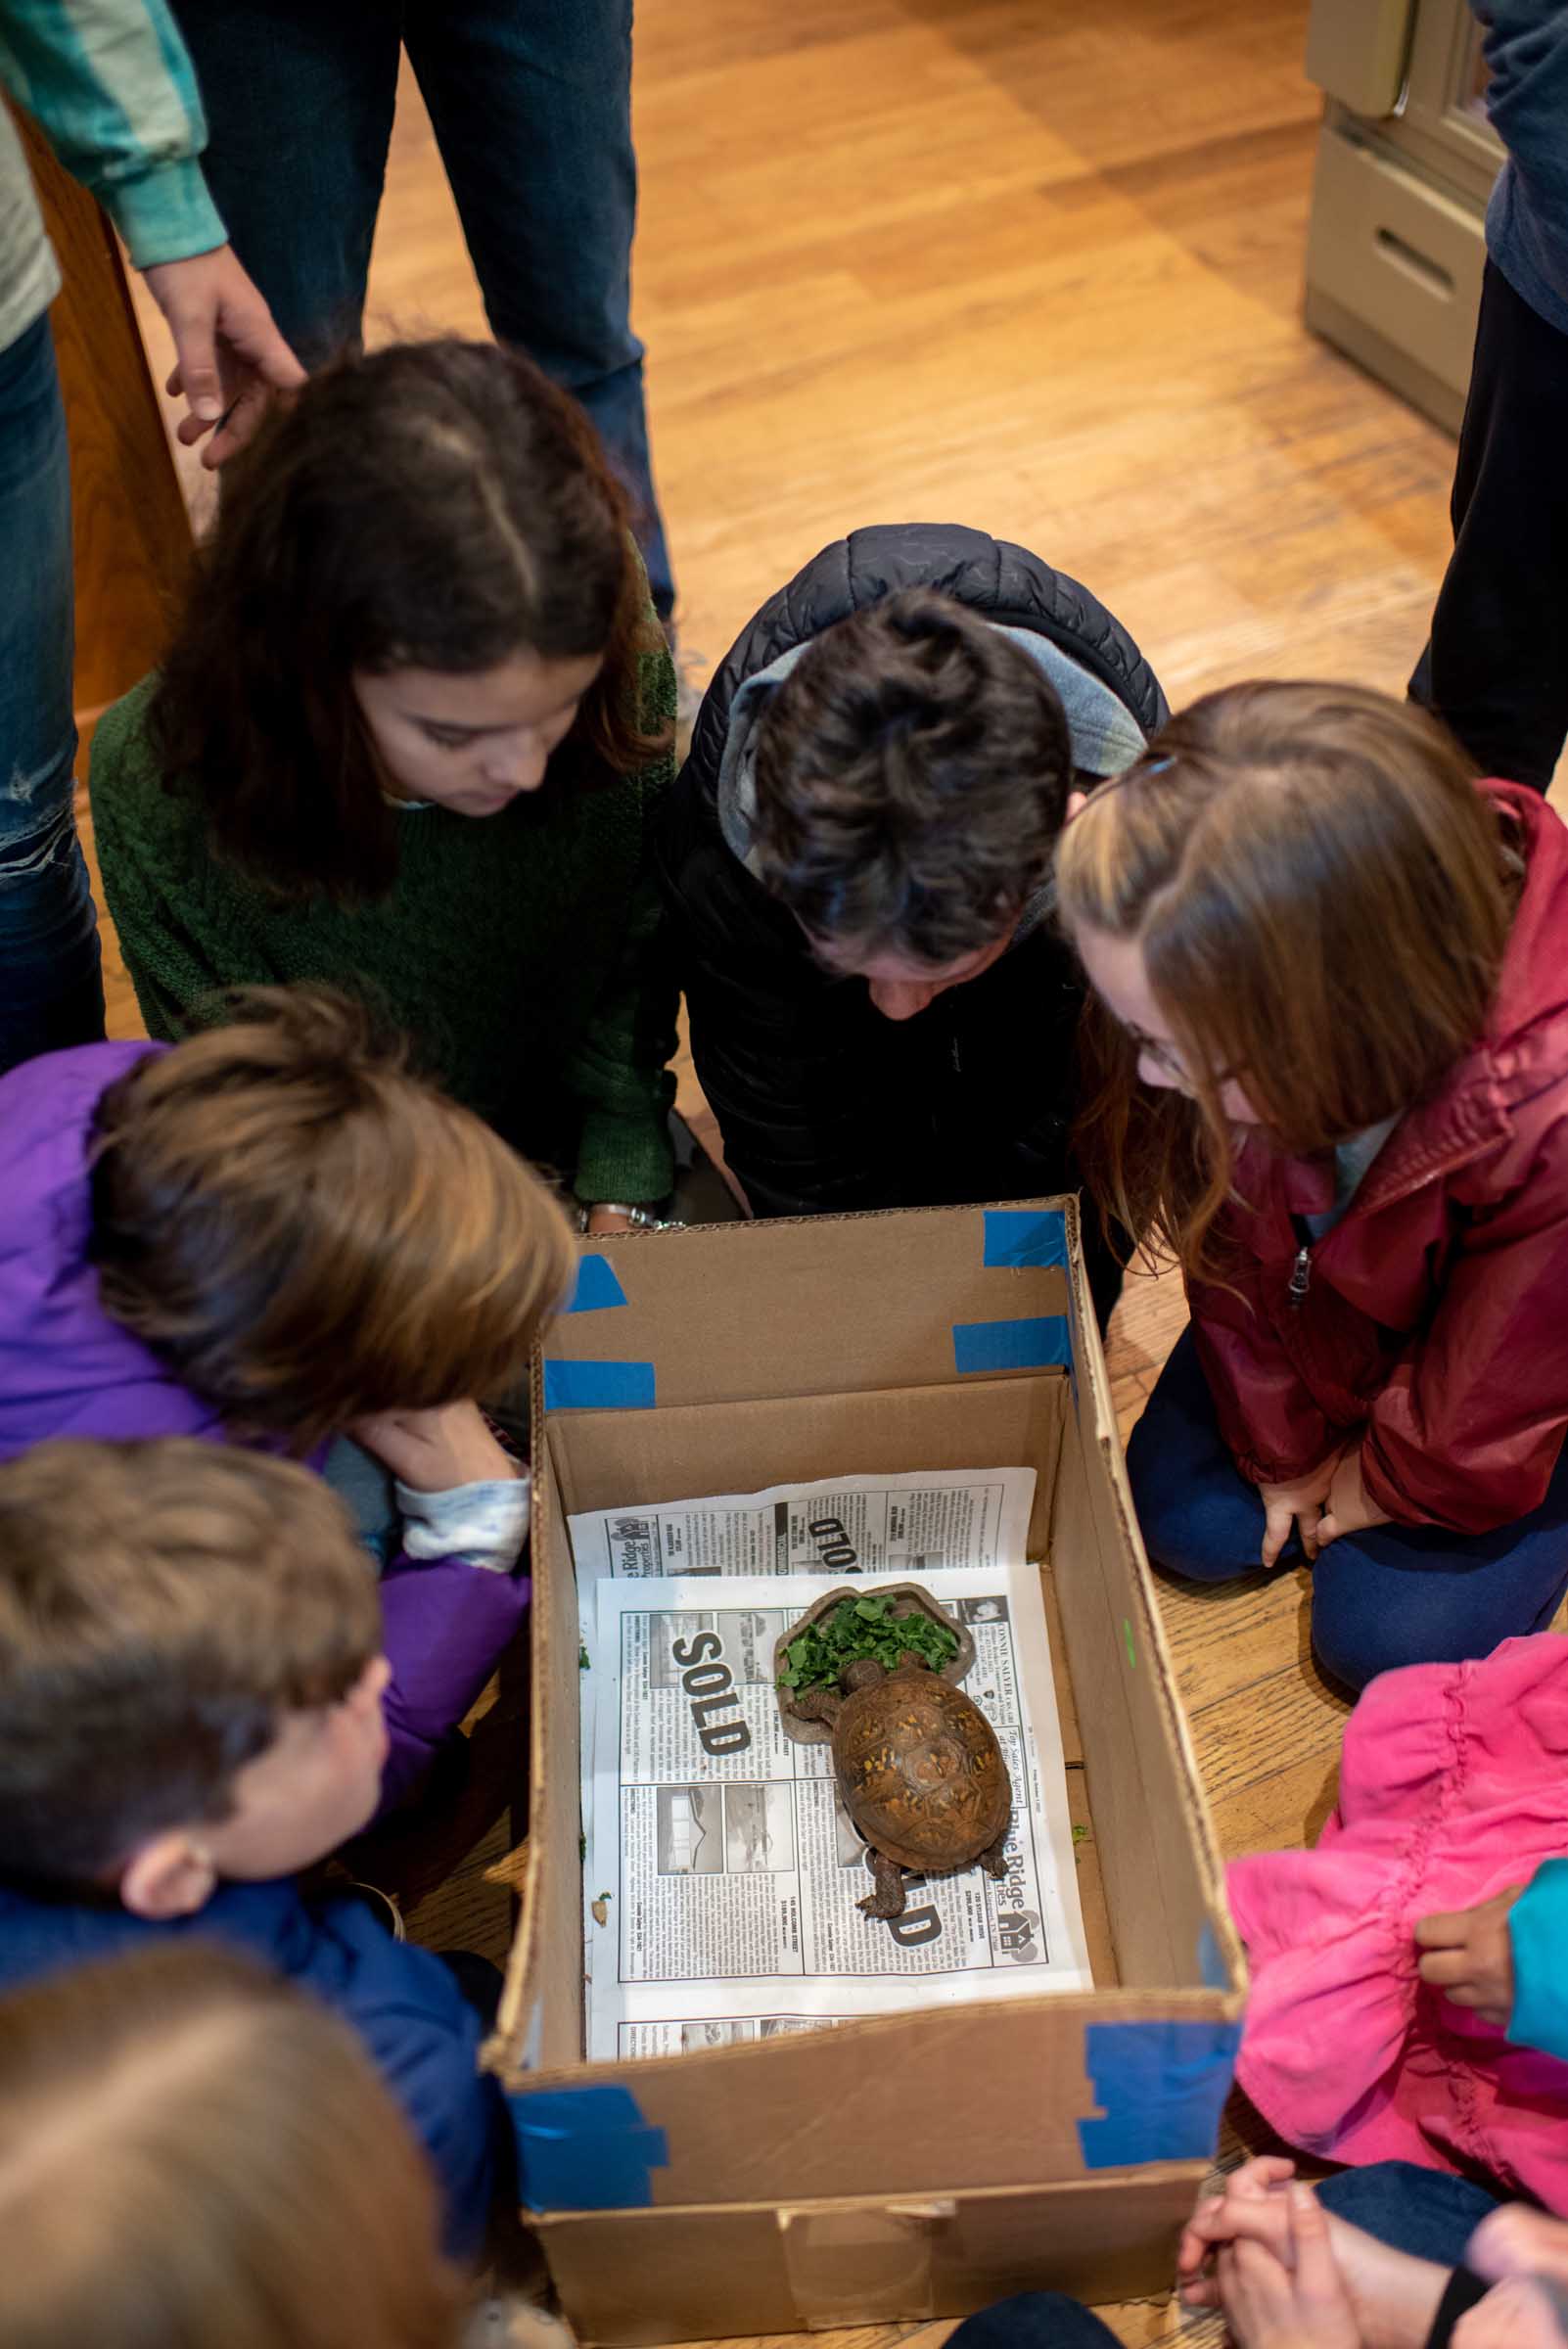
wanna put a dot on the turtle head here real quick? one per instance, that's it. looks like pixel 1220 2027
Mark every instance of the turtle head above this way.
pixel 864 1672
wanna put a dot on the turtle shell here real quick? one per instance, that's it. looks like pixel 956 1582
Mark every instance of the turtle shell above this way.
pixel 920 1770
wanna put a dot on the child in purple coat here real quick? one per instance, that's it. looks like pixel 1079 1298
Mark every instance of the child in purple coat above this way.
pixel 272 1234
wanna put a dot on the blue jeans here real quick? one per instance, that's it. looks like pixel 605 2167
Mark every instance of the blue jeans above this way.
pixel 51 985
pixel 531 101
pixel 1393 1595
pixel 1428 2213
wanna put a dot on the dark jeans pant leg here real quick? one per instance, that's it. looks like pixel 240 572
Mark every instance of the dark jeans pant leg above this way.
pixel 1495 669
pixel 299 97
pixel 51 984
pixel 532 104
pixel 1427 2213
pixel 1033 2320
pixel 1390 1596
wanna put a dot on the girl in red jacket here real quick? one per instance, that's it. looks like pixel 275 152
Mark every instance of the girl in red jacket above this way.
pixel 1331 974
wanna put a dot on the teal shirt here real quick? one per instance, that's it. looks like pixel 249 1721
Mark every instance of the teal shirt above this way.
pixel 1537 1928
pixel 110 85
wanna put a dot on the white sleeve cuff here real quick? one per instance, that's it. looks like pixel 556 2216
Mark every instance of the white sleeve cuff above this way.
pixel 485 1524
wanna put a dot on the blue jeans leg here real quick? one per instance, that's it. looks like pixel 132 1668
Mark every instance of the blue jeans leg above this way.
pixel 1428 2213
pixel 1033 2320
pixel 51 983
pixel 299 97
pixel 532 104
pixel 1390 1596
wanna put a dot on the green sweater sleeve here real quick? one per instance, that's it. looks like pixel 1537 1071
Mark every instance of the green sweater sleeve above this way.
pixel 155 874
pixel 1537 1928
pixel 620 1070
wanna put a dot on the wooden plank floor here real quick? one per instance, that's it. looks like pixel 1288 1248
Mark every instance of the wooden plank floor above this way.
pixel 1036 269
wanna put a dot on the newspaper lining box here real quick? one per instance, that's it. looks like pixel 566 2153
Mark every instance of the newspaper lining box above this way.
pixel 920 2164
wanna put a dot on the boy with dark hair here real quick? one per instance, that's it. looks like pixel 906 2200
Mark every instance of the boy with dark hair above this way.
pixel 856 863
pixel 190 1713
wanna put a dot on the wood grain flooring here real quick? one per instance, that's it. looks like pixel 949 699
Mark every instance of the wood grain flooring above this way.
pixel 1036 269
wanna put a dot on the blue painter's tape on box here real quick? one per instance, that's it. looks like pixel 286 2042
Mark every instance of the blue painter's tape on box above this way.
pixel 598 1386
pixel 1039 1343
pixel 1161 2087
pixel 1026 1235
pixel 585 2148
pixel 597 1286
pixel 1211 1965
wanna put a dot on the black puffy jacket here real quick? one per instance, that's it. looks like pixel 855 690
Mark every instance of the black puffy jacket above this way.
pixel 822 1103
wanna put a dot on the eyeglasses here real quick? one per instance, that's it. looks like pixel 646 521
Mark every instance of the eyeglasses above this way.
pixel 1167 1056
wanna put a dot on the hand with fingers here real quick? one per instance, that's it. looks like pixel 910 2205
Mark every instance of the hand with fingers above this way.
pixel 1295 1507
pixel 435 1450
pixel 1287 2292
pixel 1524 2313
pixel 1253 2201
pixel 1393 2297
pixel 1350 1507
pixel 230 359
pixel 1525 2254
pixel 1518 2241
pixel 1467 1955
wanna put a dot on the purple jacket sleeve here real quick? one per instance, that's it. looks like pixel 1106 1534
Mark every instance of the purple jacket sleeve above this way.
pixel 447 1624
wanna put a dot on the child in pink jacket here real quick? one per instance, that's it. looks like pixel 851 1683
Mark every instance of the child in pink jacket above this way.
pixel 1409 1994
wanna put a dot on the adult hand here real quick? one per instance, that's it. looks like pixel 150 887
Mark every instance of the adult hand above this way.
pixel 1520 2314
pixel 1469 1957
pixel 1252 2201
pixel 435 1450
pixel 1295 2301
pixel 1519 2242
pixel 1351 1507
pixel 228 353
pixel 1393 2297
pixel 1297 1505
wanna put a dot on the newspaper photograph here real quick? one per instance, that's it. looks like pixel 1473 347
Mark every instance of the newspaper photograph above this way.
pixel 723 1872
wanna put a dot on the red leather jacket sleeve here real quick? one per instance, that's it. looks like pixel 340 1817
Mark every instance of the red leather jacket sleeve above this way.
pixel 1467 1430
pixel 1270 1423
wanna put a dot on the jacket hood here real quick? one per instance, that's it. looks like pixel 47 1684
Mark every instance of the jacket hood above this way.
pixel 1106 736
pixel 66 1368
pixel 1111 695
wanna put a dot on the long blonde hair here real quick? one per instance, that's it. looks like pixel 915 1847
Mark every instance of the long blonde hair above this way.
pixel 194 2155
pixel 1321 898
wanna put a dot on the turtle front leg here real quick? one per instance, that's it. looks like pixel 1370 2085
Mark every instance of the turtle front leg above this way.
pixel 995 1860
pixel 886 1900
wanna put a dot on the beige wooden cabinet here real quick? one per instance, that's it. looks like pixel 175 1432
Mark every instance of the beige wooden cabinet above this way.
pixel 1405 161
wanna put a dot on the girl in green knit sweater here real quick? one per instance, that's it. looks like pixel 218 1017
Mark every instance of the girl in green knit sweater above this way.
pixel 410 738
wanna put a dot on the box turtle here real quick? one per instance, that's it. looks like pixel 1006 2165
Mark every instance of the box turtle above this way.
pixel 920 1773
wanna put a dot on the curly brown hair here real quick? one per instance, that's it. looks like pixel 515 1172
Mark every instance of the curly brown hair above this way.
pixel 912 772
pixel 435 505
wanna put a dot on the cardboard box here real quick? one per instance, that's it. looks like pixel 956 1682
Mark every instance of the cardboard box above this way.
pixel 923 2164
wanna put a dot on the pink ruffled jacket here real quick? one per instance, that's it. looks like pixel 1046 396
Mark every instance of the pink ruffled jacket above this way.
pixel 1453 1785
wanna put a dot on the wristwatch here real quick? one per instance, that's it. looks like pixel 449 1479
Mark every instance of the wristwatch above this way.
pixel 637 1217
